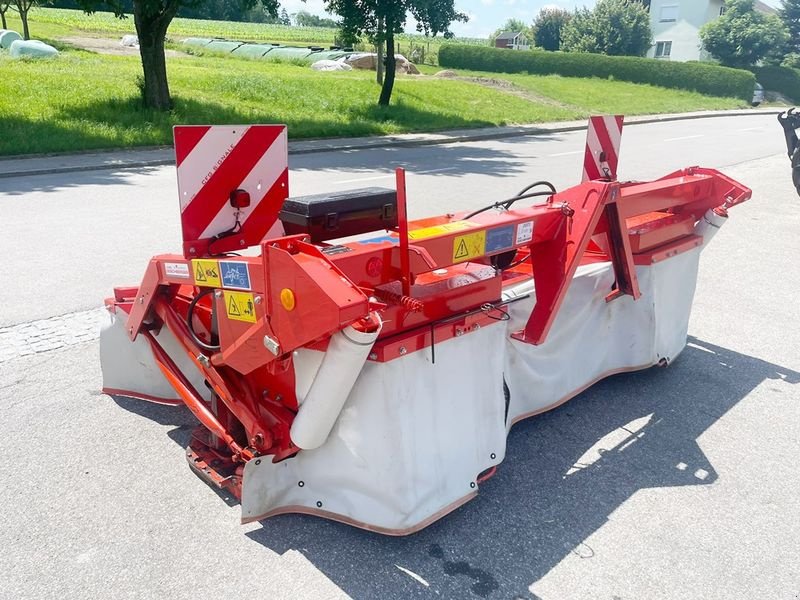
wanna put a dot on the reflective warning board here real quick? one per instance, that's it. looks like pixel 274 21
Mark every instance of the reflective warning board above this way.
pixel 467 247
pixel 206 273
pixel 240 306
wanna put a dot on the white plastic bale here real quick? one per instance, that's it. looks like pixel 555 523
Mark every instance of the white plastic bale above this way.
pixel 31 49
pixel 7 37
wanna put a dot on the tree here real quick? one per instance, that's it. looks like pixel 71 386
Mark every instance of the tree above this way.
pixel 22 7
pixel 548 27
pixel 4 6
pixel 743 36
pixel 614 27
pixel 382 19
pixel 513 25
pixel 284 18
pixel 790 15
pixel 152 18
pixel 306 19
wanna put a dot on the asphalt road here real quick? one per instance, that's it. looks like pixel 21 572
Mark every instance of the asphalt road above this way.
pixel 678 482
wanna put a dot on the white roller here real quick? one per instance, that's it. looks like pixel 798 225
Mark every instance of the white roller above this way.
pixel 709 225
pixel 347 352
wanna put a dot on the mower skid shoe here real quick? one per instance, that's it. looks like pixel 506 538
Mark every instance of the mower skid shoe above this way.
pixel 129 368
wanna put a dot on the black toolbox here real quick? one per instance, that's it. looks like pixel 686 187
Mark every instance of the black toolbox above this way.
pixel 340 214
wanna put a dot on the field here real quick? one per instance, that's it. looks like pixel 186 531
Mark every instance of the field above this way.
pixel 84 101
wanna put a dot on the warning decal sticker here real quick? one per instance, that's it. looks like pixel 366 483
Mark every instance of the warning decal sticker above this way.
pixel 206 273
pixel 466 247
pixel 429 232
pixel 235 275
pixel 240 306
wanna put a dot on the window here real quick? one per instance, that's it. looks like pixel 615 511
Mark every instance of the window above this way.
pixel 722 10
pixel 669 14
pixel 663 49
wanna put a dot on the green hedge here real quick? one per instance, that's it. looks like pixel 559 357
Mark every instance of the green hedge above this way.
pixel 700 77
pixel 784 80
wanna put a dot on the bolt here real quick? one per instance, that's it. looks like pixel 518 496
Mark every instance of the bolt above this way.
pixel 218 294
pixel 319 504
pixel 301 483
pixel 258 299
pixel 472 484
pixel 141 299
pixel 203 359
pixel 476 326
pixel 258 462
pixel 241 243
pixel 192 251
pixel 403 350
pixel 373 356
pixel 459 332
pixel 493 456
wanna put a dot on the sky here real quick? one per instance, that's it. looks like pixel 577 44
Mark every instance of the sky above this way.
pixel 486 16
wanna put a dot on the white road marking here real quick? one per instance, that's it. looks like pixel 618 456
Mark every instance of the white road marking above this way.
pixel 751 129
pixel 413 576
pixel 685 137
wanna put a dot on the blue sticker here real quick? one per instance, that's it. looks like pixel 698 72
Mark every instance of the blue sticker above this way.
pixel 499 238
pixel 380 240
pixel 235 275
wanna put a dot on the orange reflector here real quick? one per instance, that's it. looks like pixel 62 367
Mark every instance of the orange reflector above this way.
pixel 287 299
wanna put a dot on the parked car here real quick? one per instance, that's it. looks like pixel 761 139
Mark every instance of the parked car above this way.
pixel 758 94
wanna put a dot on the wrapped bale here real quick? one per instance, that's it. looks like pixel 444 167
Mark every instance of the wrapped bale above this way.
pixel 8 37
pixel 330 65
pixel 31 48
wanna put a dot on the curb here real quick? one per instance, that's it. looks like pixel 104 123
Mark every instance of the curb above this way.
pixel 301 147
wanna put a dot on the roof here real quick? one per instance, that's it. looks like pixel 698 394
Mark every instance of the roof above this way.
pixel 765 8
pixel 508 35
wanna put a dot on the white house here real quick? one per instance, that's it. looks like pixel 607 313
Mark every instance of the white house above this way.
pixel 676 26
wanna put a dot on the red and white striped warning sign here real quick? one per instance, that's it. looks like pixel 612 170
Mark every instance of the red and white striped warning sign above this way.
pixel 602 148
pixel 212 163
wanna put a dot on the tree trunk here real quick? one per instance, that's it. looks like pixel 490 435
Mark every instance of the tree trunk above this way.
pixel 379 57
pixel 23 16
pixel 388 80
pixel 3 16
pixel 154 66
pixel 151 30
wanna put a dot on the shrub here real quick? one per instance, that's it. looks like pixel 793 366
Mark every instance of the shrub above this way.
pixel 784 80
pixel 700 77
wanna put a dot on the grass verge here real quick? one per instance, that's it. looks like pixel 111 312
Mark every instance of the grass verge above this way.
pixel 86 101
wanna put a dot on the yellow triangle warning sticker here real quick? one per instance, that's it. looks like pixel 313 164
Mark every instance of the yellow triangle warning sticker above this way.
pixel 240 306
pixel 206 272
pixel 233 310
pixel 469 246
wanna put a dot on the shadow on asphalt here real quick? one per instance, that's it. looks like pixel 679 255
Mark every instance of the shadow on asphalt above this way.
pixel 565 472
pixel 456 159
pixel 56 182
pixel 532 514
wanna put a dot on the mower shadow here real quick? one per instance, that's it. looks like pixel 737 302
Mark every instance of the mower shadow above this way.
pixel 550 494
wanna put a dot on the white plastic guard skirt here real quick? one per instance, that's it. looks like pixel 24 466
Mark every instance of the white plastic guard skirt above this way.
pixel 412 436
pixel 129 368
